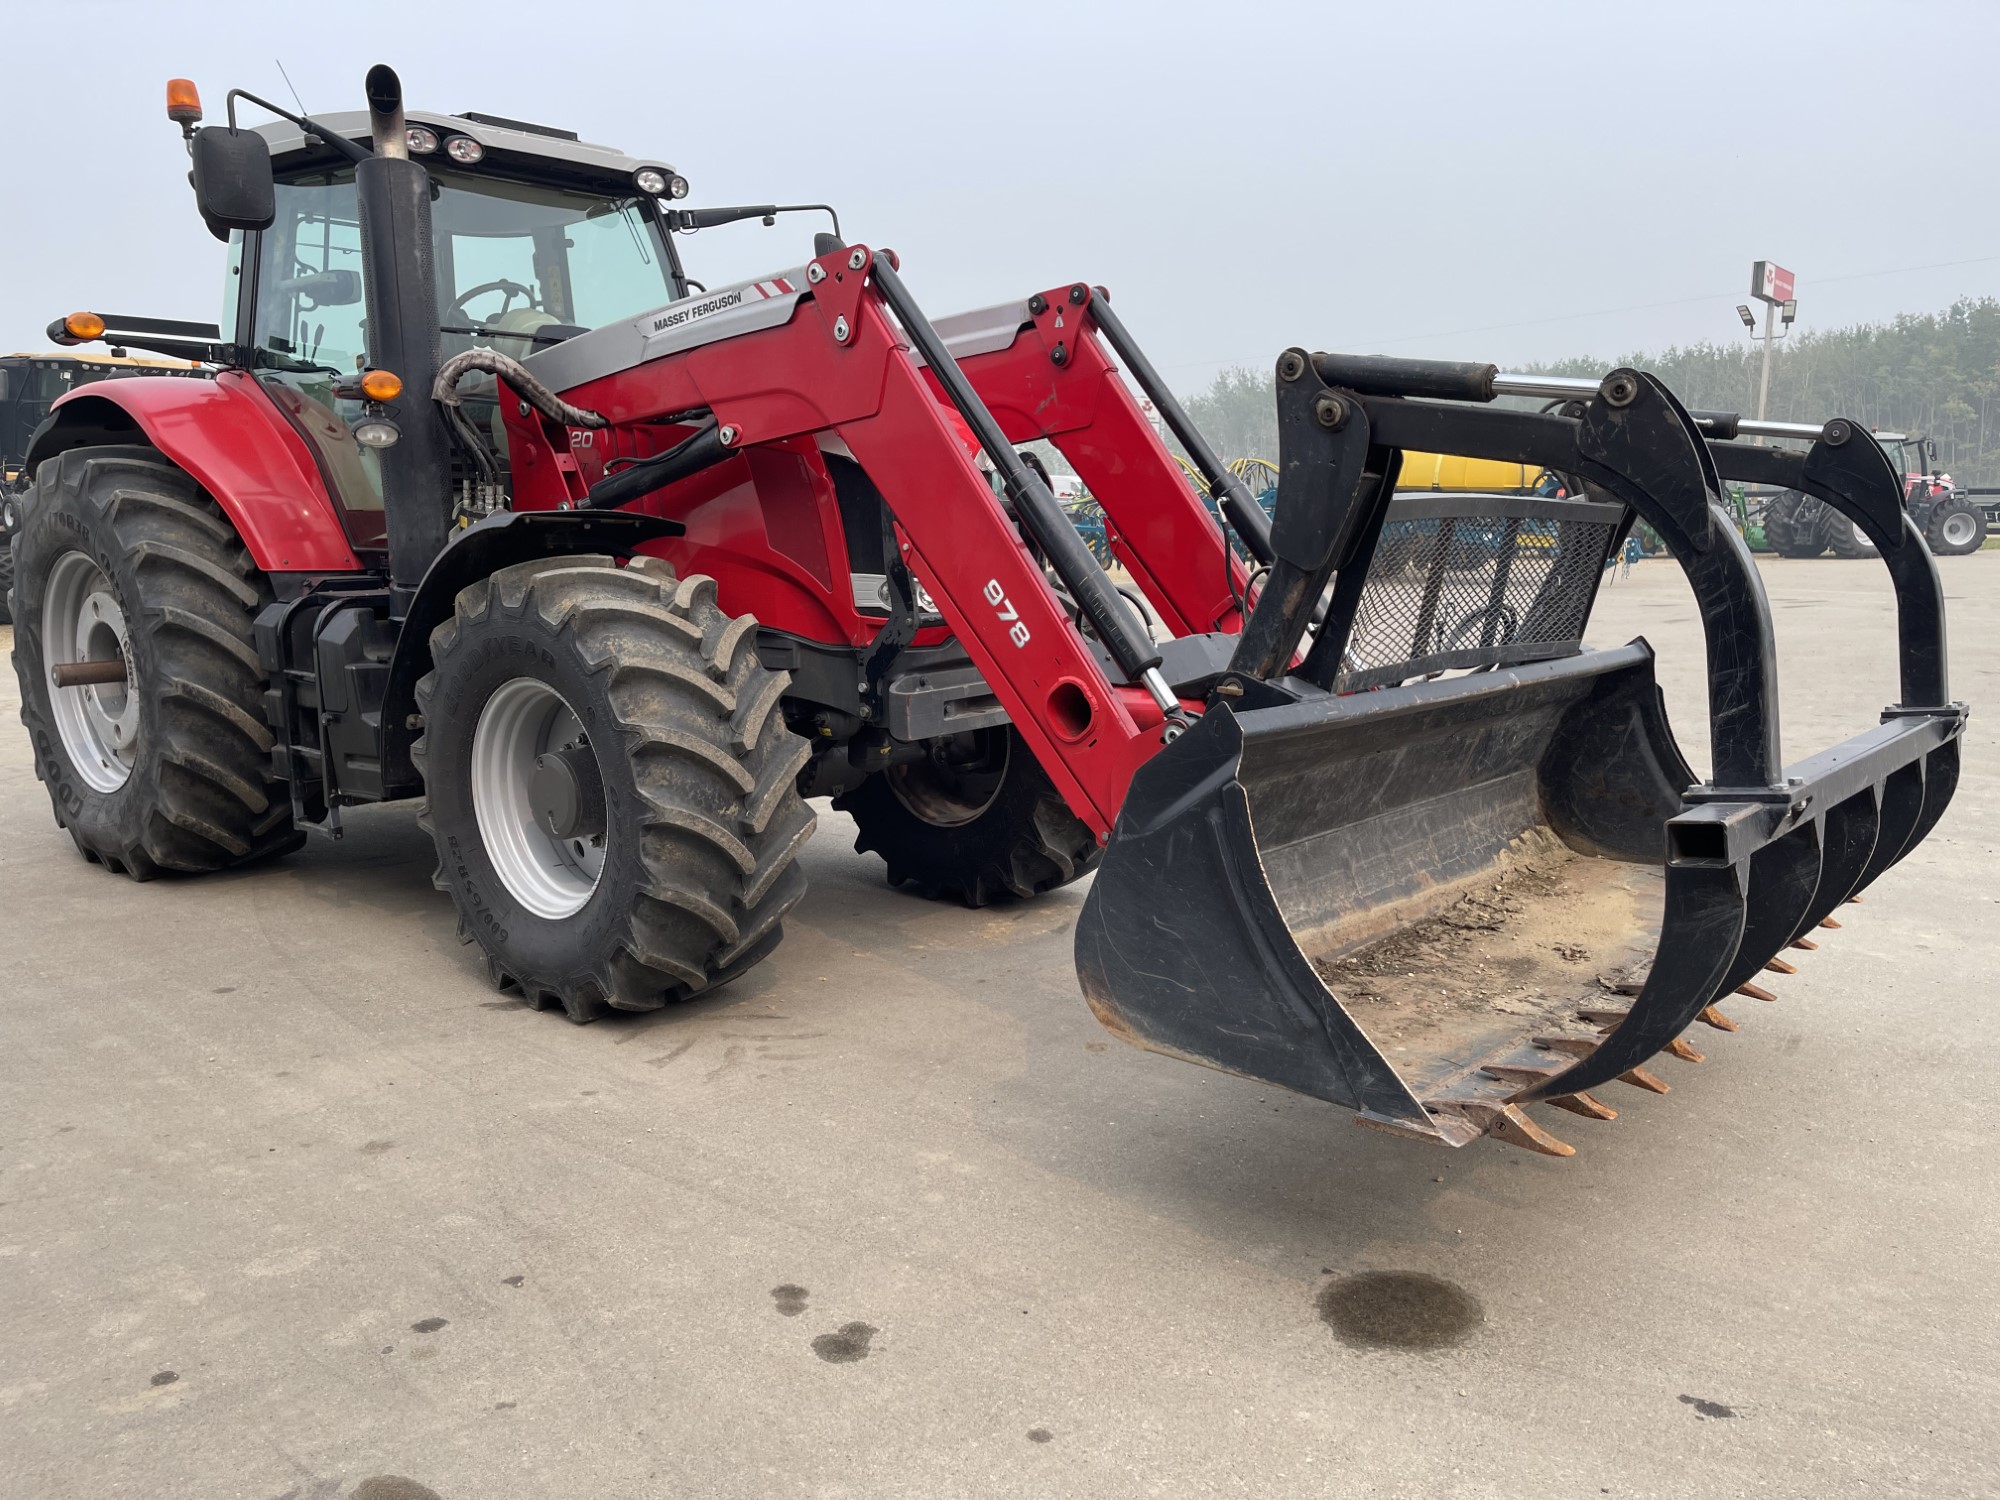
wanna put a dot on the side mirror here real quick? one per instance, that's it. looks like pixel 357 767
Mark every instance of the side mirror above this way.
pixel 232 180
pixel 324 288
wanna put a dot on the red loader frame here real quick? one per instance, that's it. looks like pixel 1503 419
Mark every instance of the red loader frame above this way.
pixel 844 371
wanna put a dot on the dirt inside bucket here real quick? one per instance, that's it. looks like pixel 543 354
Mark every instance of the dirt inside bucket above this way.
pixel 1545 932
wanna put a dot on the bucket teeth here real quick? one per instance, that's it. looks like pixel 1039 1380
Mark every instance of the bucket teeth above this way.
pixel 1622 986
pixel 1779 966
pixel 1639 1078
pixel 1755 991
pixel 1853 900
pixel 1710 1016
pixel 1678 1047
pixel 1828 922
pixel 1602 1017
pixel 1510 1123
pixel 1584 1104
pixel 1806 943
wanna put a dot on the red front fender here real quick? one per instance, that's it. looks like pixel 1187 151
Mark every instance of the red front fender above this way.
pixel 227 435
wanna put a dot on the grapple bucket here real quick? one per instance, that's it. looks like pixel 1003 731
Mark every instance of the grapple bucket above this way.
pixel 1432 859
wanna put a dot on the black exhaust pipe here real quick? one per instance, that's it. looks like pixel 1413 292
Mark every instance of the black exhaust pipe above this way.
pixel 398 268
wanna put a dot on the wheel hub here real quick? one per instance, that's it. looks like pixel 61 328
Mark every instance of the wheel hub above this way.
pixel 567 794
pixel 83 621
pixel 957 782
pixel 538 797
pixel 1957 529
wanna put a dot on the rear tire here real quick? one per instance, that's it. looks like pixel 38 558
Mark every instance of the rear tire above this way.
pixel 1844 538
pixel 121 553
pixel 654 691
pixel 1794 525
pixel 6 583
pixel 1958 527
pixel 978 822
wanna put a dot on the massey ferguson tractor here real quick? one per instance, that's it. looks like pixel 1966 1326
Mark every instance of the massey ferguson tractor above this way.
pixel 485 501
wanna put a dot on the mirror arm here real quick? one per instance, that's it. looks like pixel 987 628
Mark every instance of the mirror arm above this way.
pixel 310 126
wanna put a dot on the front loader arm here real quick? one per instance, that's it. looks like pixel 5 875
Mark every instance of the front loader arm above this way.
pixel 1056 380
pixel 841 368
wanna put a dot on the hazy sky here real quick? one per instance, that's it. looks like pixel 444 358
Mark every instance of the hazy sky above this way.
pixel 1503 181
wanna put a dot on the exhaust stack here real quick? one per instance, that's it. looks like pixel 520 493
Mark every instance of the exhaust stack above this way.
pixel 385 112
pixel 399 269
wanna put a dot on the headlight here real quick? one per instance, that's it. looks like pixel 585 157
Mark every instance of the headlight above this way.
pixel 376 432
pixel 422 139
pixel 677 186
pixel 651 181
pixel 464 150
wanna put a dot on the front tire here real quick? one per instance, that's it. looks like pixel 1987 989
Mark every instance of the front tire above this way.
pixel 122 555
pixel 978 821
pixel 610 784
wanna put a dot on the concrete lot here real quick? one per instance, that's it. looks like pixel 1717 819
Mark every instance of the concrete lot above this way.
pixel 290 1202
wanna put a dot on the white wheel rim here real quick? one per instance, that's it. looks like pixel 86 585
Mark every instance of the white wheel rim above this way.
pixel 524 719
pixel 1957 529
pixel 82 621
pixel 1861 536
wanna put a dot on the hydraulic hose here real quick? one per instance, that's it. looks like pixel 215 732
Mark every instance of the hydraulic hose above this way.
pixel 519 381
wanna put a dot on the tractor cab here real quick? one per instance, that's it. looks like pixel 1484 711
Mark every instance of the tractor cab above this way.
pixel 537 236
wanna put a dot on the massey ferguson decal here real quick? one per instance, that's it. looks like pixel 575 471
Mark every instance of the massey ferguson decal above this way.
pixel 690 312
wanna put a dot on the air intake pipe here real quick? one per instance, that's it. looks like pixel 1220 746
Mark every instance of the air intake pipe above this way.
pixel 399 272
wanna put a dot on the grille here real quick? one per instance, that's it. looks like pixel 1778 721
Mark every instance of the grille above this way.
pixel 1468 581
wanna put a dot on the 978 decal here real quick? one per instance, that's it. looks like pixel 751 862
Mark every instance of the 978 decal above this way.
pixel 1017 630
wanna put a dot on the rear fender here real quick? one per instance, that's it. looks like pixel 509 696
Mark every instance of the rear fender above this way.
pixel 226 434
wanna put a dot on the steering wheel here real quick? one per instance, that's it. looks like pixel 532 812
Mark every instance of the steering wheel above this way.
pixel 457 311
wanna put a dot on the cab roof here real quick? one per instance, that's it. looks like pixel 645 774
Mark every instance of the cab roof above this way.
pixel 508 142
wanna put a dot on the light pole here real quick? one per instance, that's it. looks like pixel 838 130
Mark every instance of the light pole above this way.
pixel 1772 285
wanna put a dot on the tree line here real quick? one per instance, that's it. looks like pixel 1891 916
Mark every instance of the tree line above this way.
pixel 1928 374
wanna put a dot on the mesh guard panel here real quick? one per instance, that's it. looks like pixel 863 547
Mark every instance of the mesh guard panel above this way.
pixel 1468 581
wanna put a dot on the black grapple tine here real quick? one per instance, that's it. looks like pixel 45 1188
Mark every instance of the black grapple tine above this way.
pixel 1940 784
pixel 1847 840
pixel 1902 810
pixel 1700 933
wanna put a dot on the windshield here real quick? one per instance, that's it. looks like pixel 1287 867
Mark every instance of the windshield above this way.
pixel 536 262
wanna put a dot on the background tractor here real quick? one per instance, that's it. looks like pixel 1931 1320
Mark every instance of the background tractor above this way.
pixel 29 385
pixel 481 499
pixel 1950 519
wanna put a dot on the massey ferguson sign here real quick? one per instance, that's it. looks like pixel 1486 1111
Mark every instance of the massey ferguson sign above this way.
pixel 1770 282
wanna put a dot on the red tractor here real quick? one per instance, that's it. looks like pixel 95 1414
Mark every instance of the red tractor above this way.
pixel 485 501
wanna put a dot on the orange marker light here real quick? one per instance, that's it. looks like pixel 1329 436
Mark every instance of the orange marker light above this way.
pixel 82 325
pixel 380 385
pixel 183 102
